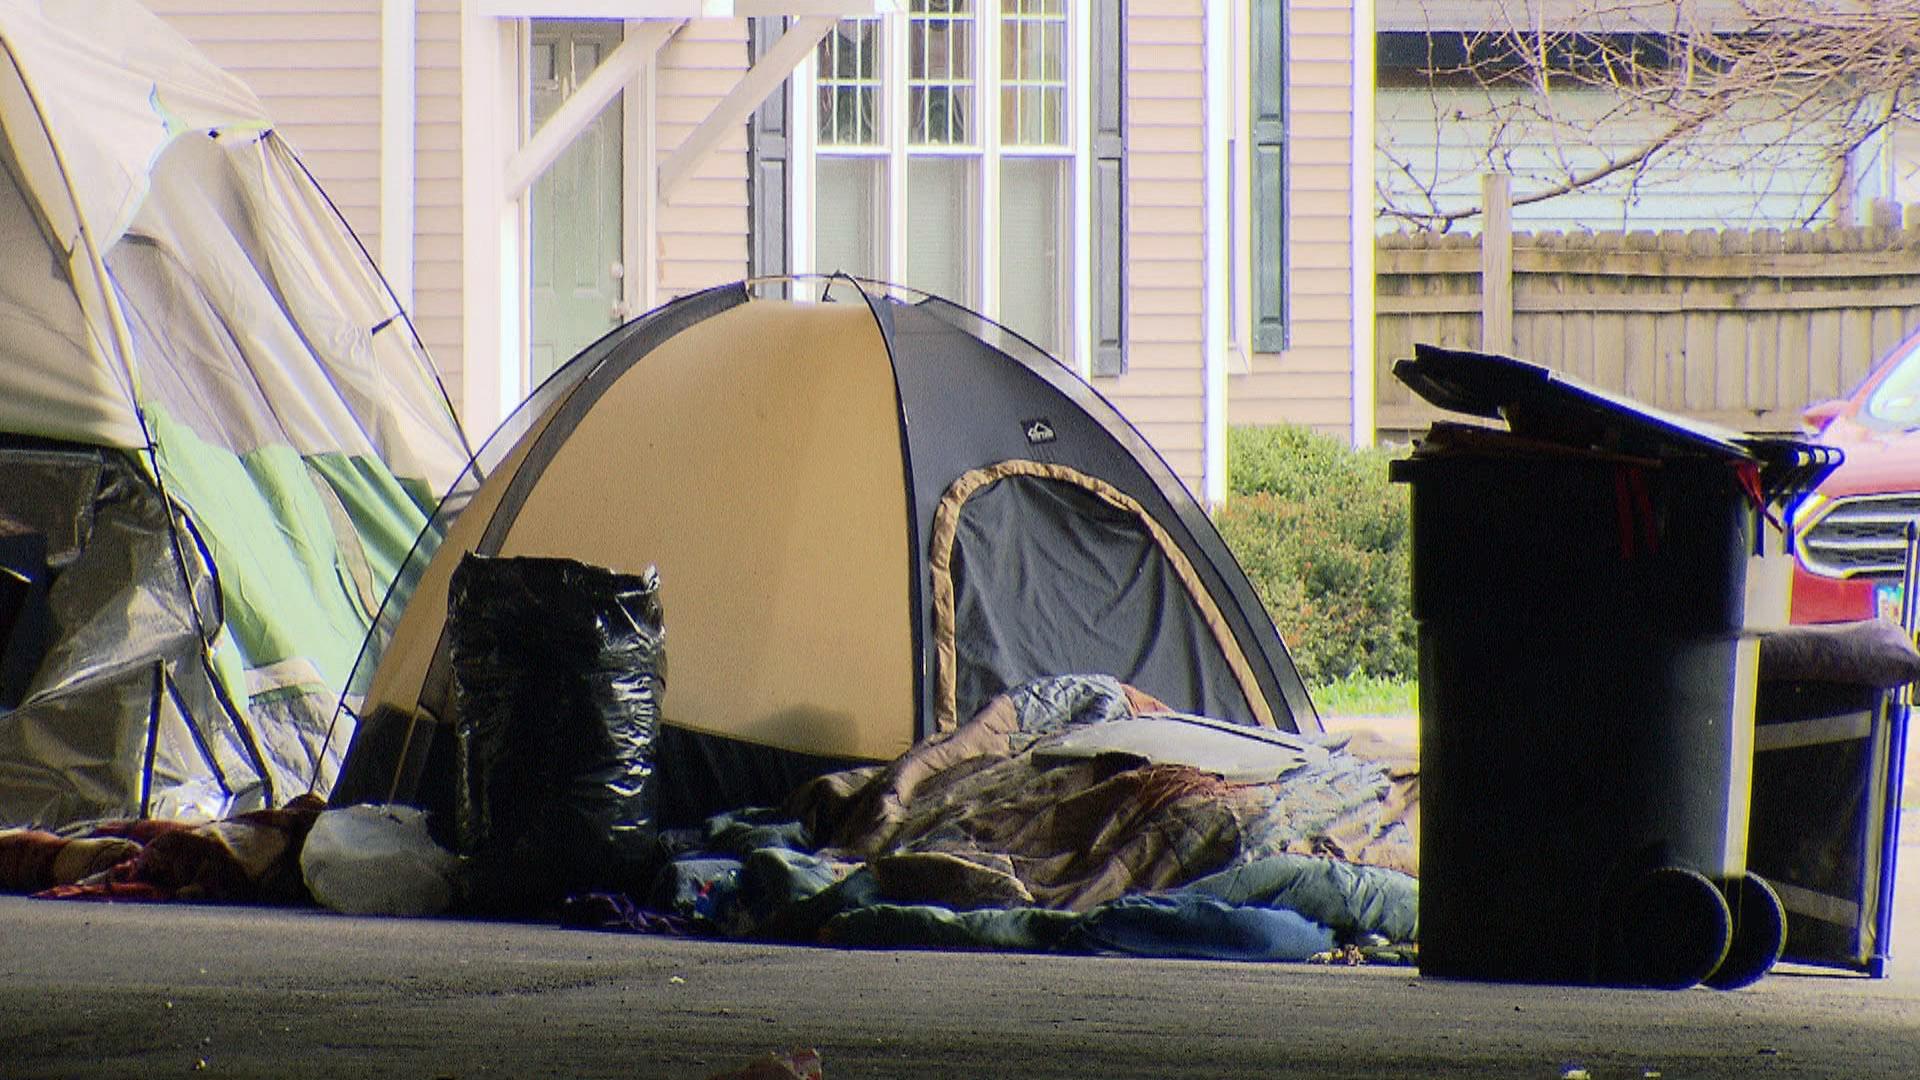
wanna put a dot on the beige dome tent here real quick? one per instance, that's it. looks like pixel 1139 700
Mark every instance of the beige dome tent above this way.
pixel 869 515
pixel 218 432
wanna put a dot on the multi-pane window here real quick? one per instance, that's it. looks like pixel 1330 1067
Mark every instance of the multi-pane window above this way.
pixel 904 192
pixel 1035 168
pixel 849 84
pixel 1033 72
pixel 850 181
pixel 939 72
pixel 849 195
pixel 942 149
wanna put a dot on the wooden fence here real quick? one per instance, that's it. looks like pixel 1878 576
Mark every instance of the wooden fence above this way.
pixel 1742 328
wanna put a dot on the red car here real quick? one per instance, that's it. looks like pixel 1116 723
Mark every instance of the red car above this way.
pixel 1850 534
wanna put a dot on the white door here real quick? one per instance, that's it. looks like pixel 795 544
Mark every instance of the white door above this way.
pixel 577 253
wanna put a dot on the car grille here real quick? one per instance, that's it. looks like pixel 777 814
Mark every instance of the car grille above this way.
pixel 1860 534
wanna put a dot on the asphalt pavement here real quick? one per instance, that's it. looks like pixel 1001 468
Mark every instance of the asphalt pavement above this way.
pixel 125 990
pixel 132 990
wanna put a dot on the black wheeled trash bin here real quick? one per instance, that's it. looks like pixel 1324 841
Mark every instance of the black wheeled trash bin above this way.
pixel 1581 583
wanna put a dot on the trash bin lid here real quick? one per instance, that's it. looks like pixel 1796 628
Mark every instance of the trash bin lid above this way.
pixel 1543 404
pixel 1539 403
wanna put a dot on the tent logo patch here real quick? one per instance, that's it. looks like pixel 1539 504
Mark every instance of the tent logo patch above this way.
pixel 1039 431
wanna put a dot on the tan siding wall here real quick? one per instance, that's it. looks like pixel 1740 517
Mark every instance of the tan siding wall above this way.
pixel 1162 392
pixel 437 204
pixel 703 229
pixel 315 65
pixel 1311 383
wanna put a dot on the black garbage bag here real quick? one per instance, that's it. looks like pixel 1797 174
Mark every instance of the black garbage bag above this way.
pixel 558 669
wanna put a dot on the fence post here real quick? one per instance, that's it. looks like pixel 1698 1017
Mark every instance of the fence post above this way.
pixel 1496 263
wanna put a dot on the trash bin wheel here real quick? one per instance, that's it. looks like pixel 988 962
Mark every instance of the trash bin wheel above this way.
pixel 1669 929
pixel 1759 934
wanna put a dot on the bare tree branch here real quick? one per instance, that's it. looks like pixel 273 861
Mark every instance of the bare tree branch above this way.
pixel 1621 95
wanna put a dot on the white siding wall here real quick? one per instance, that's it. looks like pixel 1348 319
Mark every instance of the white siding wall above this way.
pixel 1896 167
pixel 1614 15
pixel 1312 382
pixel 1746 176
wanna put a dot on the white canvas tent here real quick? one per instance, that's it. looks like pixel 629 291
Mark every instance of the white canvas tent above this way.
pixel 218 431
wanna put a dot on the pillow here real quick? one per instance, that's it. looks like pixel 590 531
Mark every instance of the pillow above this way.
pixel 1872 652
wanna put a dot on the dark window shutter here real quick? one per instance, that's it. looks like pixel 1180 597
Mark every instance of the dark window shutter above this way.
pixel 1268 175
pixel 1109 210
pixel 768 165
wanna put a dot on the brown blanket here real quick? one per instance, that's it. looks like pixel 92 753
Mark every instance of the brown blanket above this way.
pixel 32 859
pixel 1076 834
pixel 249 858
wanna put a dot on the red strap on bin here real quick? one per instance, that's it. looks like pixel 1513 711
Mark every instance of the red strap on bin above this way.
pixel 1633 506
pixel 1622 512
pixel 1643 502
pixel 1748 473
pixel 1633 510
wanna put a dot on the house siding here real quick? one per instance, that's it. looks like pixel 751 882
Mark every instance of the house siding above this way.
pixel 1311 382
pixel 702 227
pixel 1163 391
pixel 437 208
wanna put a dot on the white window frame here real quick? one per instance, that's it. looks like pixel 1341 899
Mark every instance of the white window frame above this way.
pixel 1075 347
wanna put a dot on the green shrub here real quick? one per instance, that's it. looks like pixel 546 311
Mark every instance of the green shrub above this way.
pixel 1323 536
